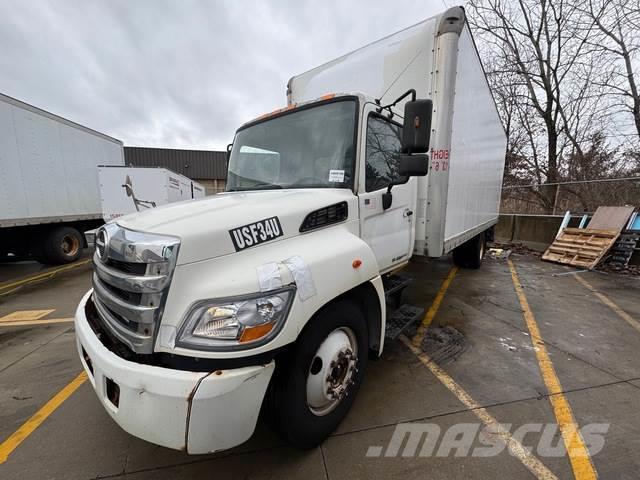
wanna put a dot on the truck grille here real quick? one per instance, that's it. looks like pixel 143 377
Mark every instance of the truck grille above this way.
pixel 127 267
pixel 131 278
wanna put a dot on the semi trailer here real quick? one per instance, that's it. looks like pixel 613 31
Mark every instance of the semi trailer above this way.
pixel 49 191
pixel 126 190
pixel 273 296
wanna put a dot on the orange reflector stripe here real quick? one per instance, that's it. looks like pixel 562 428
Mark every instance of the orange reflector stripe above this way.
pixel 254 333
pixel 291 106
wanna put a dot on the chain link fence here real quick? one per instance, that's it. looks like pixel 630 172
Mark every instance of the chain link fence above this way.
pixel 583 196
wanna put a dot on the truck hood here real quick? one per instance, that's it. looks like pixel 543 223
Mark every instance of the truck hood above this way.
pixel 206 227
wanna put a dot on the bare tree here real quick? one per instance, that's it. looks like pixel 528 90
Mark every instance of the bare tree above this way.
pixel 545 72
pixel 617 39
pixel 536 47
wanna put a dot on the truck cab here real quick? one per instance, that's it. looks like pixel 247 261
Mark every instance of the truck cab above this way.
pixel 196 305
pixel 274 295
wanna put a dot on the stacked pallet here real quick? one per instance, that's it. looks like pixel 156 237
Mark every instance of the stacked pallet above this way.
pixel 586 247
pixel 581 247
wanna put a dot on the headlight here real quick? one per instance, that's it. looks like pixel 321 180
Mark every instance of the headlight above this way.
pixel 235 323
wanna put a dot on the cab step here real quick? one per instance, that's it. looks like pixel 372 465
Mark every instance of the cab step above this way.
pixel 400 319
pixel 393 287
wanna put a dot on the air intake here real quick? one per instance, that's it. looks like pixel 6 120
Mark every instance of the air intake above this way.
pixel 325 216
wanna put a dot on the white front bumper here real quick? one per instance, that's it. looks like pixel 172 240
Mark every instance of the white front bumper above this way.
pixel 199 412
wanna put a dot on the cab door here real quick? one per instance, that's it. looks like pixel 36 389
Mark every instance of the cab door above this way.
pixel 390 233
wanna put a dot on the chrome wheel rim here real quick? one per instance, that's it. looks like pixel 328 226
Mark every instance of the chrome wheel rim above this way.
pixel 70 245
pixel 332 371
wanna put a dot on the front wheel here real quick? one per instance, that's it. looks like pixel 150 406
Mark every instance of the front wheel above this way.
pixel 315 387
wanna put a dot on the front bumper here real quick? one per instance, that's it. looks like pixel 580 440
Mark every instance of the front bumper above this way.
pixel 199 412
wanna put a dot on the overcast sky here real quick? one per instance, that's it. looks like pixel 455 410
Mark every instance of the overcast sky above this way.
pixel 179 74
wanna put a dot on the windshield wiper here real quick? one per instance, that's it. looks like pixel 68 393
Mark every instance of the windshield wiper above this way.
pixel 259 186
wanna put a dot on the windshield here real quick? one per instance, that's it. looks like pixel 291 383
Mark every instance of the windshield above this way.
pixel 309 148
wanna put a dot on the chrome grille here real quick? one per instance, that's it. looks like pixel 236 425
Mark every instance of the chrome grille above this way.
pixel 131 281
pixel 101 243
pixel 127 267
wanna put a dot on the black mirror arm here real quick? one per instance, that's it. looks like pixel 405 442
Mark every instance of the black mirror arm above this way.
pixel 387 197
pixel 411 92
pixel 229 147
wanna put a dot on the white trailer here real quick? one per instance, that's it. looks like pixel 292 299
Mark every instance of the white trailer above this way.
pixel 49 183
pixel 275 294
pixel 125 190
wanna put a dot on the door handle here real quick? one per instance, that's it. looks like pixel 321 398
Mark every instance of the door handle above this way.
pixel 407 213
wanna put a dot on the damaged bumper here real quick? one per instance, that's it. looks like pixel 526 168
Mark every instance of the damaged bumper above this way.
pixel 199 412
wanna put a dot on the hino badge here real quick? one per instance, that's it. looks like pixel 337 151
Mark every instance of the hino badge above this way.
pixel 274 295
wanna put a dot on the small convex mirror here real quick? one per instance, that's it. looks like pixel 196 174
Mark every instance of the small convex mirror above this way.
pixel 128 186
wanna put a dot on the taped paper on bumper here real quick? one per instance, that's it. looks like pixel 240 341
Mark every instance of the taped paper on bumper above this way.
pixel 302 276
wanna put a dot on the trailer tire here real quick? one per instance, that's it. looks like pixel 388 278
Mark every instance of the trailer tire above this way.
pixel 470 253
pixel 60 245
pixel 338 332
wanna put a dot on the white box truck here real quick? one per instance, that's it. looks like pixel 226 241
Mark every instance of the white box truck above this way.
pixel 49 190
pixel 273 295
pixel 125 190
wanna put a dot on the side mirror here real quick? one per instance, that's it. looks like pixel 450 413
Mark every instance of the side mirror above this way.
pixel 416 133
pixel 229 147
pixel 416 130
pixel 408 166
pixel 413 165
pixel 128 186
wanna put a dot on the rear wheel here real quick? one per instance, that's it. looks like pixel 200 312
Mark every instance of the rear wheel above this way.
pixel 59 245
pixel 315 386
pixel 470 253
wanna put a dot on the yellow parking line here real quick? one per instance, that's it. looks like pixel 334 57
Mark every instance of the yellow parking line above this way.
pixel 20 323
pixel 11 443
pixel 22 315
pixel 533 464
pixel 609 303
pixel 576 449
pixel 433 309
pixel 41 276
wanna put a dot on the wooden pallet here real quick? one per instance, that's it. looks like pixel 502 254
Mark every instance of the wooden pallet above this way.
pixel 581 247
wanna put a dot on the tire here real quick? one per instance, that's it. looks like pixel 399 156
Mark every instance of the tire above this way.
pixel 300 423
pixel 36 247
pixel 60 245
pixel 470 253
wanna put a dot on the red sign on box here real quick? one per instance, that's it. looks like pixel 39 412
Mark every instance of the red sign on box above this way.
pixel 440 160
pixel 442 154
